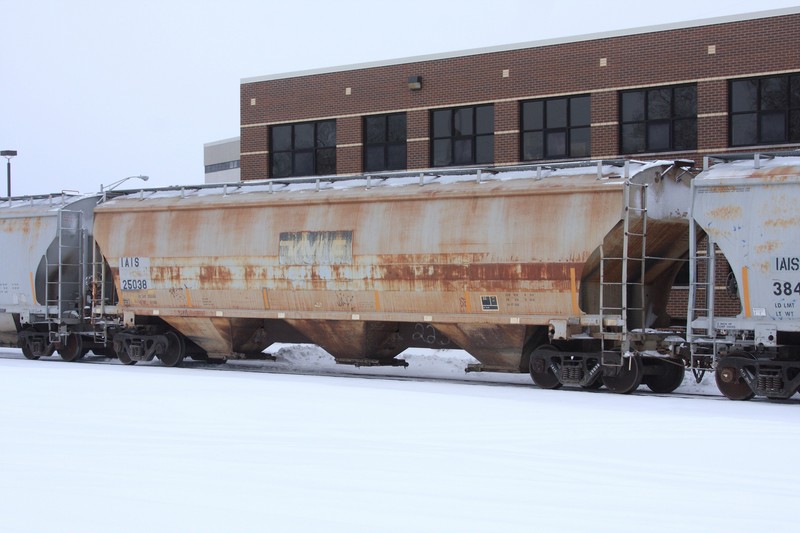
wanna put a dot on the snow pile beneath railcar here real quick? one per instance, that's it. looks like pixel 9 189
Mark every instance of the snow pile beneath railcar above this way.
pixel 422 364
pixel 89 447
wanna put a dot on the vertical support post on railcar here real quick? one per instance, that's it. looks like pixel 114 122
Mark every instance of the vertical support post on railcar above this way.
pixel 97 257
pixel 60 267
pixel 643 263
pixel 83 236
pixel 601 309
pixel 625 341
pixel 691 304
pixel 711 278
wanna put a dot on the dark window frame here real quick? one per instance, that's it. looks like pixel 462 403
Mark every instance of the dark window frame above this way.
pixel 761 115
pixel 462 136
pixel 647 130
pixel 219 167
pixel 543 131
pixel 316 152
pixel 388 149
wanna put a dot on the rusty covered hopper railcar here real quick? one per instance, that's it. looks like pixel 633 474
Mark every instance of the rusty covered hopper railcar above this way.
pixel 493 261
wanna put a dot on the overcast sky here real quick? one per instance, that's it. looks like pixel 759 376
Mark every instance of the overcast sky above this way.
pixel 93 91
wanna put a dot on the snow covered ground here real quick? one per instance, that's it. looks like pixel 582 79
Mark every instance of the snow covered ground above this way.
pixel 88 447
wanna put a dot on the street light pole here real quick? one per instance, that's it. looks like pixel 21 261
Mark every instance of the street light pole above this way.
pixel 8 154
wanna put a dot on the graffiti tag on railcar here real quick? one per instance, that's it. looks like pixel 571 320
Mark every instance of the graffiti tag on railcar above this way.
pixel 425 333
pixel 316 248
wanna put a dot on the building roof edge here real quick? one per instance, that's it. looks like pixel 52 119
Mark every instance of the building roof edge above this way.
pixel 223 141
pixel 531 44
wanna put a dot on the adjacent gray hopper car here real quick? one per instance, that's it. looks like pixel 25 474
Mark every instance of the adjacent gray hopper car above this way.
pixel 46 283
pixel 748 208
pixel 560 270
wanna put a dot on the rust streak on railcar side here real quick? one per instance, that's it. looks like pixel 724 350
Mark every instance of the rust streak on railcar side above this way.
pixel 215 276
pixel 728 212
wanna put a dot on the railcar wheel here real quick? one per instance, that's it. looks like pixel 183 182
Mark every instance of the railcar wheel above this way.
pixel 541 373
pixel 176 350
pixel 124 359
pixel 117 349
pixel 27 349
pixel 729 381
pixel 628 378
pixel 72 349
pixel 670 379
pixel 27 352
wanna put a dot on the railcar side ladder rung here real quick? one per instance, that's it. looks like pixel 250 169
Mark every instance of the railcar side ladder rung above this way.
pixel 614 317
pixel 701 301
pixel 63 286
pixel 98 296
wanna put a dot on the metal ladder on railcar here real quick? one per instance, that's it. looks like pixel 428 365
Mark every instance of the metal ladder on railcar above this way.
pixel 614 320
pixel 64 294
pixel 99 297
pixel 701 304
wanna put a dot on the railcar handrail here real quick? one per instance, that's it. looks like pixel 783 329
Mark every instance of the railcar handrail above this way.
pixel 479 172
pixel 755 156
pixel 30 198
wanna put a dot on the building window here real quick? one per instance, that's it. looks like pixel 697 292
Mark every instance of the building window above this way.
pixel 765 110
pixel 385 142
pixel 556 128
pixel 303 149
pixel 219 167
pixel 462 136
pixel 662 119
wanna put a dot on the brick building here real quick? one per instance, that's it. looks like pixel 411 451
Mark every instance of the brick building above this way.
pixel 730 84
pixel 715 86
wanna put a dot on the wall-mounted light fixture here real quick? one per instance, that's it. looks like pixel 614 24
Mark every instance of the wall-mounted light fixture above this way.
pixel 415 83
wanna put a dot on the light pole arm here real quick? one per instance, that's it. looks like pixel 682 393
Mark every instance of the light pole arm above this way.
pixel 106 188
